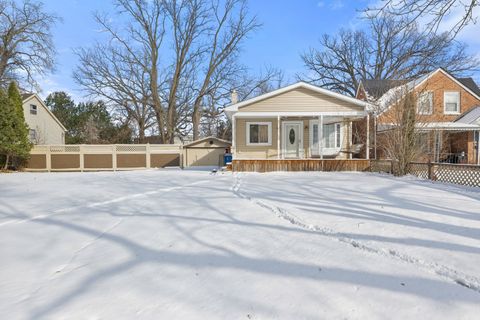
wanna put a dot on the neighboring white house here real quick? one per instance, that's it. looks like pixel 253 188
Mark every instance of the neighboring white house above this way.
pixel 44 127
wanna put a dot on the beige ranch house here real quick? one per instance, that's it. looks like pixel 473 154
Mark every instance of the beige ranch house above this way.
pixel 44 127
pixel 300 121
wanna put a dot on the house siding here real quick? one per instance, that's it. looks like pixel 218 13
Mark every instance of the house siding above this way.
pixel 301 100
pixel 438 83
pixel 244 151
pixel 208 152
pixel 47 129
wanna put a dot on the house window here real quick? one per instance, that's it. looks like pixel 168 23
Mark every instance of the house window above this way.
pixel 259 133
pixel 423 142
pixel 451 102
pixel 32 134
pixel 33 109
pixel 331 136
pixel 425 103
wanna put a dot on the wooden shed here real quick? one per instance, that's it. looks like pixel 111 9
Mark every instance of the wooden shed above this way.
pixel 205 152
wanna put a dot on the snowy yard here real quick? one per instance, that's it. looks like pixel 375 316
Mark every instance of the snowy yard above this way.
pixel 173 244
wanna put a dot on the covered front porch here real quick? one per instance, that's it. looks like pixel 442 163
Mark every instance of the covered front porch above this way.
pixel 451 142
pixel 297 136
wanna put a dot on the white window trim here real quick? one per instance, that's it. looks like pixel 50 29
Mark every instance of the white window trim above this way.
pixel 247 128
pixel 430 112
pixel 33 109
pixel 445 103
pixel 326 151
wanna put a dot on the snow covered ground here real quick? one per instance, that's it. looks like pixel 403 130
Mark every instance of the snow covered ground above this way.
pixel 173 244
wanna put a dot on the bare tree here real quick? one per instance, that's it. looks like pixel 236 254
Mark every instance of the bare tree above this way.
pixel 250 85
pixel 214 121
pixel 114 74
pixel 229 26
pixel 126 70
pixel 168 55
pixel 402 118
pixel 26 46
pixel 38 136
pixel 389 49
pixel 434 11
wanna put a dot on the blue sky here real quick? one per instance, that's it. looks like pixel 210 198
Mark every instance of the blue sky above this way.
pixel 289 28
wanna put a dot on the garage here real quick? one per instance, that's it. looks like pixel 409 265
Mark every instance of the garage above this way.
pixel 207 152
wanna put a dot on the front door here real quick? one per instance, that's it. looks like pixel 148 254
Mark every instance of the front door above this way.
pixel 292 139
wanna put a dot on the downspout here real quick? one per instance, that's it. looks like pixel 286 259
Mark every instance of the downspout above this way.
pixel 278 137
pixel 478 147
pixel 234 136
pixel 367 152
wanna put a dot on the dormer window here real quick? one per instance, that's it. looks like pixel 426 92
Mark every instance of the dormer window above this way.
pixel 33 109
pixel 425 103
pixel 451 102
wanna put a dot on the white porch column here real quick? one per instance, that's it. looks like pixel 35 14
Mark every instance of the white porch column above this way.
pixel 114 157
pixel 147 156
pixel 350 140
pixel 375 136
pixel 234 135
pixel 48 159
pixel 478 146
pixel 320 136
pixel 278 137
pixel 367 152
pixel 82 159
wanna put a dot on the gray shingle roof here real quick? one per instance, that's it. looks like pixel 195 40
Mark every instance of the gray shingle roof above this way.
pixel 377 88
pixel 25 96
pixel 471 116
pixel 470 84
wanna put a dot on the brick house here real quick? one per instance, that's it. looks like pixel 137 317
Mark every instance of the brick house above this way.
pixel 448 112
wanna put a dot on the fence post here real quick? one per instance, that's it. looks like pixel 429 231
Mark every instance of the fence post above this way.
pixel 48 158
pixel 114 157
pixel 430 165
pixel 147 157
pixel 391 167
pixel 181 157
pixel 82 159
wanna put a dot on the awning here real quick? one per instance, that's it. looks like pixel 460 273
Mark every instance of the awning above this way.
pixel 448 126
pixel 436 126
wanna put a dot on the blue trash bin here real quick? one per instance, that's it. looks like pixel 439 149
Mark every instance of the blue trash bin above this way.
pixel 227 158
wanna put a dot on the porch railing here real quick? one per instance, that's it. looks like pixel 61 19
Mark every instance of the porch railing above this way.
pixel 445 157
pixel 263 165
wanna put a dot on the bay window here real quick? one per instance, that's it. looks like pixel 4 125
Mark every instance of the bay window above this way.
pixel 331 140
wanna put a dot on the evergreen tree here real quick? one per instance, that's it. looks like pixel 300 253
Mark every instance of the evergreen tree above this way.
pixel 66 111
pixel 87 122
pixel 14 142
pixel 21 144
pixel 7 132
